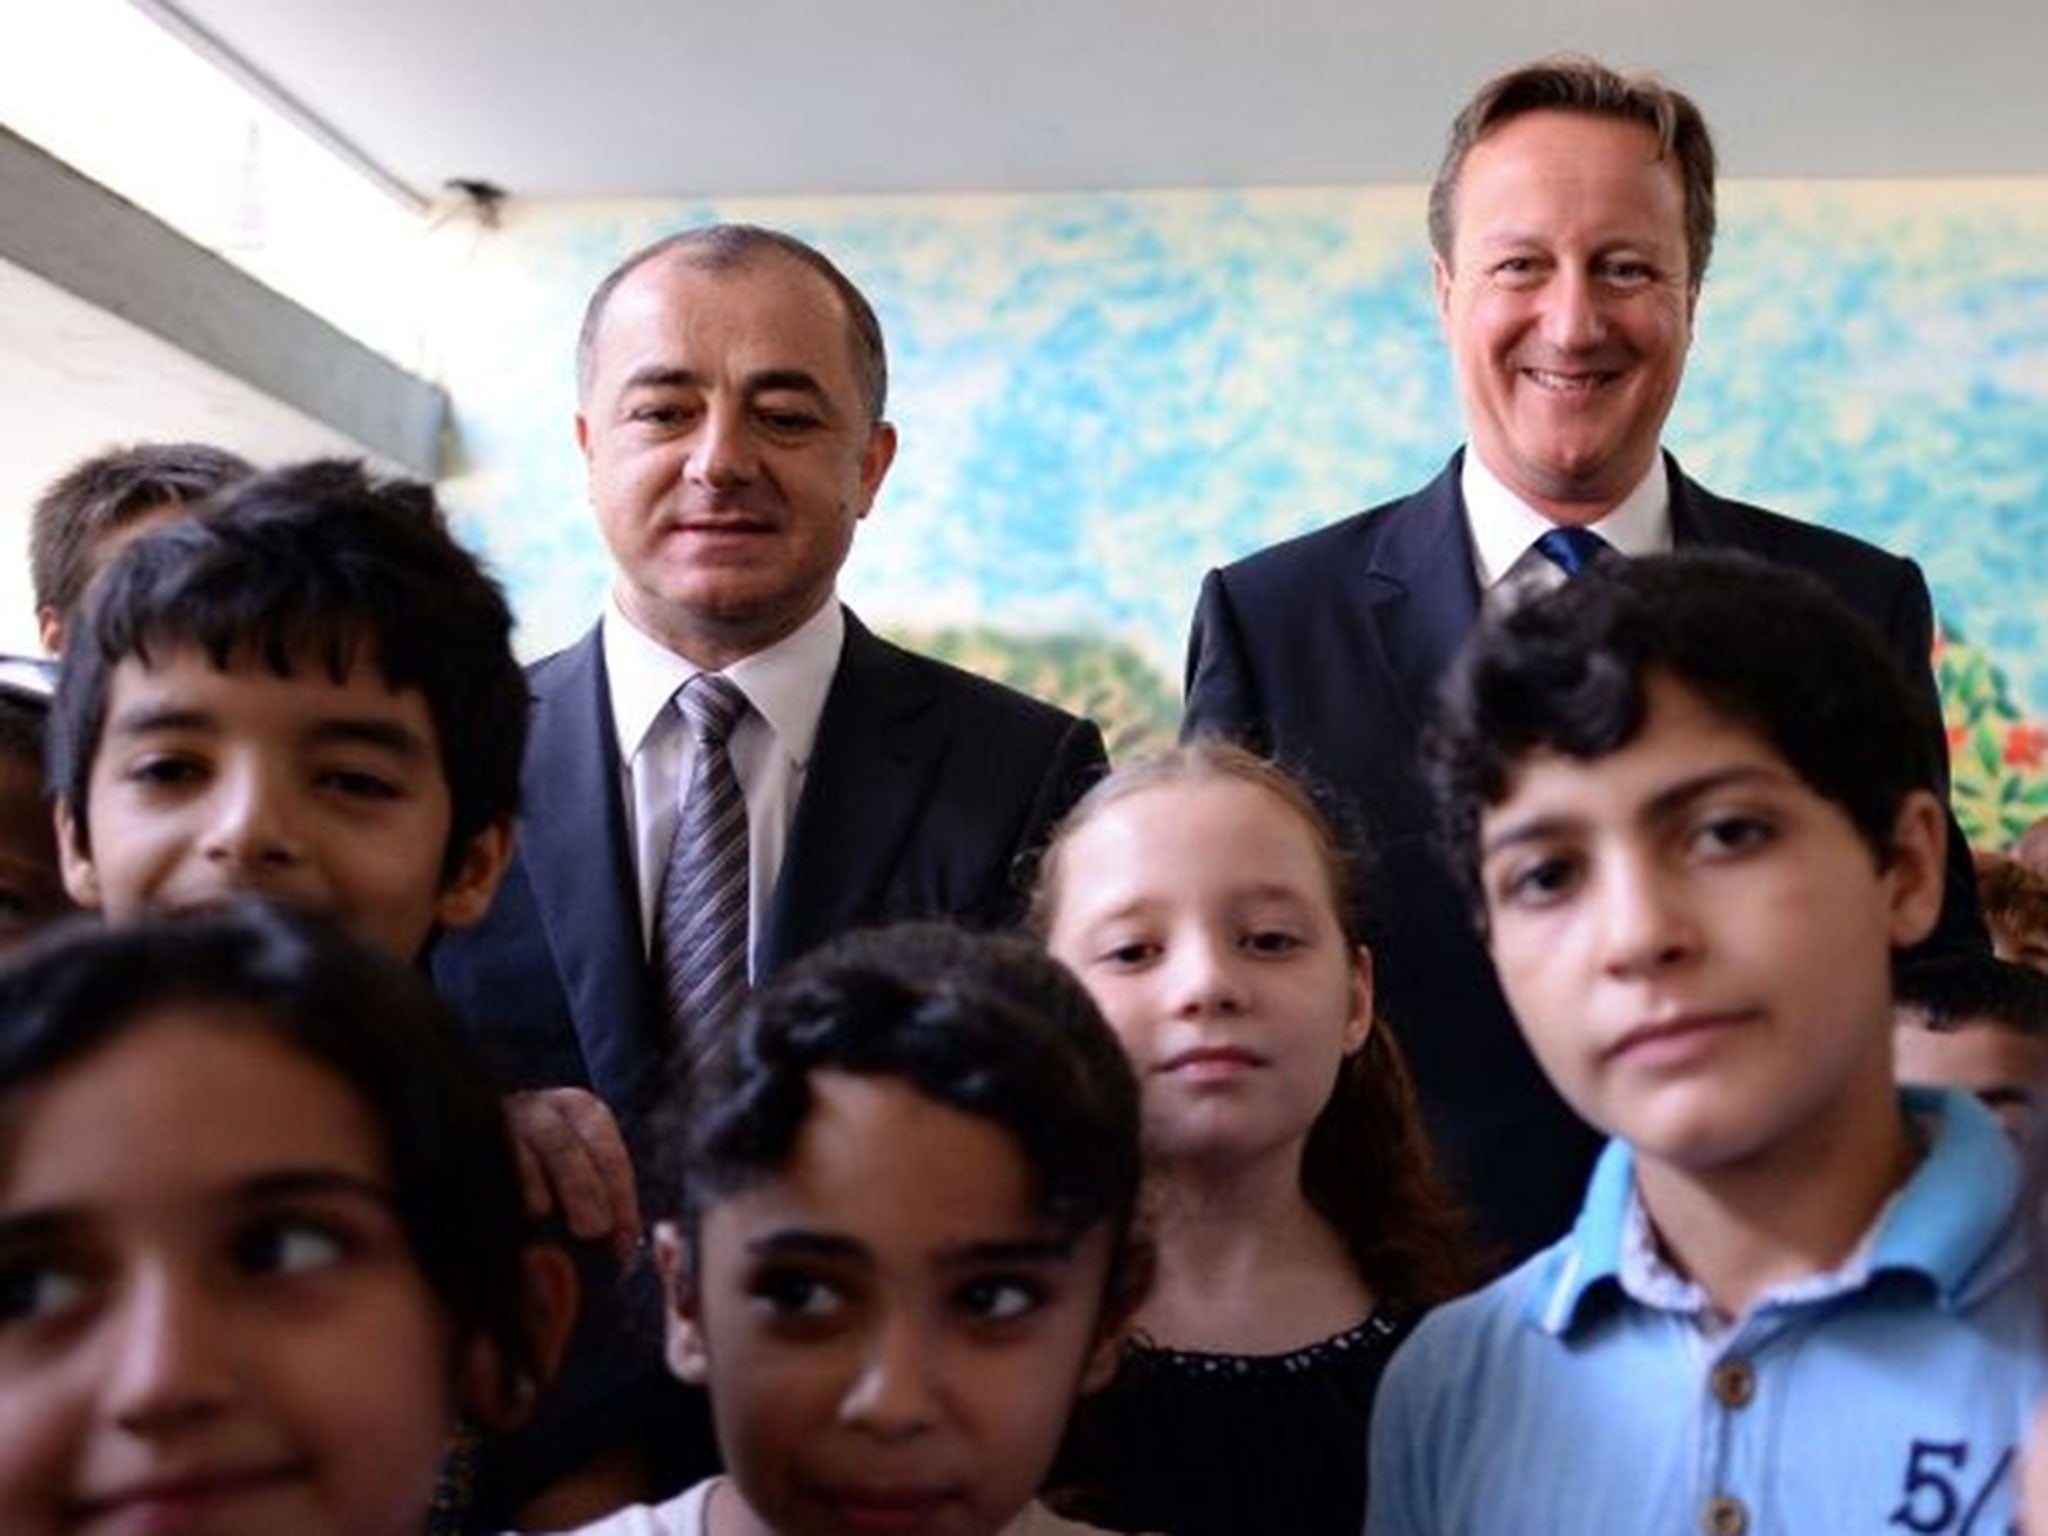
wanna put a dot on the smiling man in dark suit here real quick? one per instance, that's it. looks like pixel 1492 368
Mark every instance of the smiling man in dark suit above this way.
pixel 731 388
pixel 1572 221
pixel 732 383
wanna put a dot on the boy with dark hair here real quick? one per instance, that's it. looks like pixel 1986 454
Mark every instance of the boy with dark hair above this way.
pixel 1692 798
pixel 1976 1023
pixel 311 694
pixel 97 505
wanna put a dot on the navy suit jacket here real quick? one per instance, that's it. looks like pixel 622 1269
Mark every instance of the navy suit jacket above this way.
pixel 927 788
pixel 1326 650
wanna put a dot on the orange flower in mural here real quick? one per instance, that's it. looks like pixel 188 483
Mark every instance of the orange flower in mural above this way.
pixel 2026 746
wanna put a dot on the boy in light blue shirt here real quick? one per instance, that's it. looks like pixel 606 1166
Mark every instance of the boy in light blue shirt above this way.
pixel 1692 799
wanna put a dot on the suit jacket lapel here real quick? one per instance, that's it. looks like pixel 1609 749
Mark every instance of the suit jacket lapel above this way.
pixel 1698 516
pixel 1421 591
pixel 879 741
pixel 573 834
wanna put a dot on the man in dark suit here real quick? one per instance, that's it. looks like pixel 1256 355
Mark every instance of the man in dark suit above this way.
pixel 731 388
pixel 732 384
pixel 1572 221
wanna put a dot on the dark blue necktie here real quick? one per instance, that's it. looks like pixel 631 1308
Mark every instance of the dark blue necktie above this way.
pixel 1571 550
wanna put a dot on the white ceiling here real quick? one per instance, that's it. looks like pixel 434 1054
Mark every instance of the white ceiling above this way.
pixel 689 97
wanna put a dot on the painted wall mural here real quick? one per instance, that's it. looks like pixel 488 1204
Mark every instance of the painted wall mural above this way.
pixel 1101 396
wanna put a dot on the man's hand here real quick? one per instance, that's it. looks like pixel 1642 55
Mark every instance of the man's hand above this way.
pixel 573 1158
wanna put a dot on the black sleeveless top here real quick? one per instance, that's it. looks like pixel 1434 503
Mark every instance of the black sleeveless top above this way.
pixel 1190 1444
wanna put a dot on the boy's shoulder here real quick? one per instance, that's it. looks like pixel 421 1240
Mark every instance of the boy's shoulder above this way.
pixel 1554 1394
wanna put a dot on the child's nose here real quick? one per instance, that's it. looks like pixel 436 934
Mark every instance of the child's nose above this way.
pixel 252 823
pixel 1208 977
pixel 1646 919
pixel 173 1357
pixel 894 1396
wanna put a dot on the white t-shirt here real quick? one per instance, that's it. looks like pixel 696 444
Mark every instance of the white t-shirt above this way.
pixel 683 1515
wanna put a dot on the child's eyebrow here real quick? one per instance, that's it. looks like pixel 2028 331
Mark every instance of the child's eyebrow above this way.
pixel 1006 1251
pixel 301 1183
pixel 352 730
pixel 141 719
pixel 1661 806
pixel 388 735
pixel 798 1242
pixel 40 1227
pixel 1668 802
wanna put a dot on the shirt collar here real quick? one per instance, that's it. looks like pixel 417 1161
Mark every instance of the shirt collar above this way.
pixel 786 684
pixel 1503 526
pixel 1940 1225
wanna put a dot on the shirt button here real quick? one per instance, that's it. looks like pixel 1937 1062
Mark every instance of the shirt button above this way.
pixel 1724 1517
pixel 1734 1383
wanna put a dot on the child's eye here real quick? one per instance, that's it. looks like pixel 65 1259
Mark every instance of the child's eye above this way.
pixel 1719 836
pixel 1538 882
pixel 797 1295
pixel 289 1246
pixel 360 784
pixel 165 771
pixel 1271 941
pixel 1128 952
pixel 36 1289
pixel 1001 1298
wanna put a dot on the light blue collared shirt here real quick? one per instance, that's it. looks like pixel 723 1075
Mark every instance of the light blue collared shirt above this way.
pixel 1891 1395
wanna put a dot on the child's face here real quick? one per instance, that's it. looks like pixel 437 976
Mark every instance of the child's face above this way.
pixel 1199 915
pixel 326 795
pixel 2001 1066
pixel 31 890
pixel 892 1335
pixel 210 1320
pixel 1696 943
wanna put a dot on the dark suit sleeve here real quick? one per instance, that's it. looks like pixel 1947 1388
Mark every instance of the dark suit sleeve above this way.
pixel 1910 630
pixel 1222 696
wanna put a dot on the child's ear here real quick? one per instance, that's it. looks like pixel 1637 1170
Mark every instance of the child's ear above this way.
pixel 1359 1023
pixel 1918 871
pixel 467 895
pixel 1103 1358
pixel 81 875
pixel 483 1389
pixel 683 1346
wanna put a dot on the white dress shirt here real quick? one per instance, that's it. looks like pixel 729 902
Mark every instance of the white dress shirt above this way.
pixel 1505 528
pixel 770 748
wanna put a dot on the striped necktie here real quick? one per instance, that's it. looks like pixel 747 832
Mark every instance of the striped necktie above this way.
pixel 700 935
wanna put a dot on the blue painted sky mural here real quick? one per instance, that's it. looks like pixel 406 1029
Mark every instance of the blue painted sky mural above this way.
pixel 1100 396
